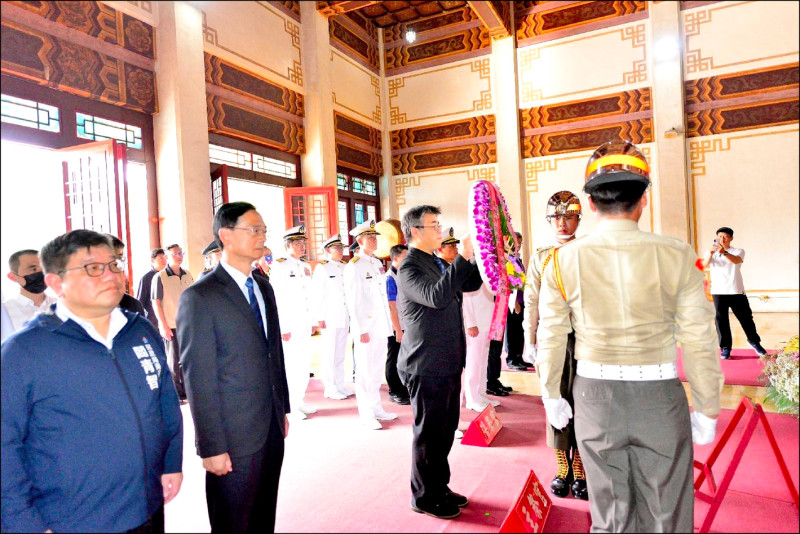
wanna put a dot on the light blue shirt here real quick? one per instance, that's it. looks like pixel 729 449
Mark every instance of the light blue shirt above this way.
pixel 240 278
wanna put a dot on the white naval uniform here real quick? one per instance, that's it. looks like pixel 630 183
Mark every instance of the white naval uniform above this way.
pixel 365 289
pixel 330 305
pixel 291 280
pixel 477 307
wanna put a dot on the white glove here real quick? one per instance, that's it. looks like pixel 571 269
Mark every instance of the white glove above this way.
pixel 558 412
pixel 530 354
pixel 703 428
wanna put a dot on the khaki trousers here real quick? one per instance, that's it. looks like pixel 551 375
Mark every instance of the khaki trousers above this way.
pixel 635 440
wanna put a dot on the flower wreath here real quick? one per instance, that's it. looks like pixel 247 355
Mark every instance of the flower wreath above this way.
pixel 495 245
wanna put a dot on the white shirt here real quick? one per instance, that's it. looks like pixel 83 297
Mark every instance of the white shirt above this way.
pixel 241 279
pixel 726 276
pixel 118 321
pixel 21 309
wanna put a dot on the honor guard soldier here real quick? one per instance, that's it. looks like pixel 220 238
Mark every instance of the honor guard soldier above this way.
pixel 330 310
pixel 290 278
pixel 370 324
pixel 630 297
pixel 564 215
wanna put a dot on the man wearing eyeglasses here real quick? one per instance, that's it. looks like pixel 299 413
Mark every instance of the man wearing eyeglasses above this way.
pixel 91 427
pixel 165 293
pixel 290 277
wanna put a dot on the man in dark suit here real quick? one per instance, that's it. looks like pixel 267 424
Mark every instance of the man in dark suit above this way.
pixel 432 355
pixel 235 378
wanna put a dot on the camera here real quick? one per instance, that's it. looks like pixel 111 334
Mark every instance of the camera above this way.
pixel 715 242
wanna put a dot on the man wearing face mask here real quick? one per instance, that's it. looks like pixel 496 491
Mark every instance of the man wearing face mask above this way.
pixel 26 270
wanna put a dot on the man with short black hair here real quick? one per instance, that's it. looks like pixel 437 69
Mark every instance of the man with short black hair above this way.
pixel 165 293
pixel 727 290
pixel 127 302
pixel 630 297
pixel 397 390
pixel 158 260
pixel 432 355
pixel 26 270
pixel 91 428
pixel 235 377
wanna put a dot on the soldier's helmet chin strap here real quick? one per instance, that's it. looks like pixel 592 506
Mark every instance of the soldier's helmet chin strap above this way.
pixel 565 236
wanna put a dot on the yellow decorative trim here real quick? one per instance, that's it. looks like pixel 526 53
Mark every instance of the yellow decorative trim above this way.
pixel 486 172
pixel 400 185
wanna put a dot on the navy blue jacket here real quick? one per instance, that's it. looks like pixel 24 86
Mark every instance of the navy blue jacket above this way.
pixel 86 432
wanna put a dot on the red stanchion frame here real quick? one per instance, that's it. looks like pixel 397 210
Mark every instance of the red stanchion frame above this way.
pixel 717 493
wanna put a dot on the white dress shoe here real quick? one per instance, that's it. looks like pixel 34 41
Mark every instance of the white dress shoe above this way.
pixel 306 409
pixel 297 415
pixel 335 395
pixel 459 434
pixel 344 391
pixel 371 423
pixel 477 408
pixel 385 416
pixel 493 402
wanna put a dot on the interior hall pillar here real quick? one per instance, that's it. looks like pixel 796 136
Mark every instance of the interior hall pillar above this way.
pixel 319 161
pixel 510 174
pixel 672 188
pixel 389 207
pixel 180 130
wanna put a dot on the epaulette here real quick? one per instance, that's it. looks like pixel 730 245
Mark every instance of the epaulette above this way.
pixel 281 260
pixel 342 261
pixel 355 259
pixel 323 262
pixel 544 248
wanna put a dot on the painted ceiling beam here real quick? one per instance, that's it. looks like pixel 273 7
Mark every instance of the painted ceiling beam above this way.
pixel 329 9
pixel 496 16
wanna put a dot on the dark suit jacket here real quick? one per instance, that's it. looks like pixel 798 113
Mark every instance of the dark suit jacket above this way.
pixel 434 343
pixel 235 379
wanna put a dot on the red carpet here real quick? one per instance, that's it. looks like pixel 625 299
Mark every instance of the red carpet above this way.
pixel 338 477
pixel 742 369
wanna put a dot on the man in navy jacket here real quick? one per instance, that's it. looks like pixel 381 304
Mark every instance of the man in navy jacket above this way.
pixel 91 426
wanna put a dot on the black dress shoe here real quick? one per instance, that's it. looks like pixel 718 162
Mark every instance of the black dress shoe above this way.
pixel 504 388
pixel 579 490
pixel 455 498
pixel 399 400
pixel 496 392
pixel 517 366
pixel 560 486
pixel 441 510
pixel 526 364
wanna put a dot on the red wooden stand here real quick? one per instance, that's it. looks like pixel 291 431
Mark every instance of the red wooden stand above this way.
pixel 716 494
pixel 530 510
pixel 483 429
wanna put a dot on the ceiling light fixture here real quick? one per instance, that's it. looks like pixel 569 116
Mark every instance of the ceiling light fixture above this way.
pixel 411 36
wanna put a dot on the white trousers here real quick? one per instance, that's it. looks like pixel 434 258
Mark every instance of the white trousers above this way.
pixel 297 359
pixel 370 367
pixel 334 344
pixel 474 389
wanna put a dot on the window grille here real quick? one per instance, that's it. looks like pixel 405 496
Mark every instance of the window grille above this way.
pixel 98 129
pixel 251 162
pixel 30 114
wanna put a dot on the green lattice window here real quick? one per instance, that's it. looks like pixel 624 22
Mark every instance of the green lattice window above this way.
pixel 98 128
pixel 30 114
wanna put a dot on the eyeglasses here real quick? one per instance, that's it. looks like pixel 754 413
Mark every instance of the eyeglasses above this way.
pixel 96 269
pixel 437 227
pixel 560 217
pixel 252 229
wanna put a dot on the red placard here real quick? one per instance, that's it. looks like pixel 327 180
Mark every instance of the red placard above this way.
pixel 483 429
pixel 531 510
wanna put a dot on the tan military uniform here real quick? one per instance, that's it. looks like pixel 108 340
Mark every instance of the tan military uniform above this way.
pixel 631 296
pixel 533 283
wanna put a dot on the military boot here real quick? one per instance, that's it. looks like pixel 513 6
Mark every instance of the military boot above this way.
pixel 560 484
pixel 579 490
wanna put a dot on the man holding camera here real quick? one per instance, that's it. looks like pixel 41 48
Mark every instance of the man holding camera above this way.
pixel 727 290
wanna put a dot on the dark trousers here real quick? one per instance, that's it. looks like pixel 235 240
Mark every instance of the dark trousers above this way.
pixel 244 500
pixel 564 439
pixel 435 405
pixel 493 365
pixel 635 441
pixel 154 525
pixel 396 386
pixel 515 337
pixel 740 307
pixel 173 350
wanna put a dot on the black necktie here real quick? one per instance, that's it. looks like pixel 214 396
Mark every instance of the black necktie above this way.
pixel 251 294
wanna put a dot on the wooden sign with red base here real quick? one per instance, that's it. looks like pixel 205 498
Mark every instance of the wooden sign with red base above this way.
pixel 483 429
pixel 531 509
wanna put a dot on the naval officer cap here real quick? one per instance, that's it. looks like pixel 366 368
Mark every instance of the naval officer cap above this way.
pixel 295 233
pixel 212 247
pixel 365 228
pixel 450 239
pixel 333 241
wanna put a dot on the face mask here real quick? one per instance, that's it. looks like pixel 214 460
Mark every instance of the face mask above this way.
pixel 268 258
pixel 34 283
pixel 564 236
